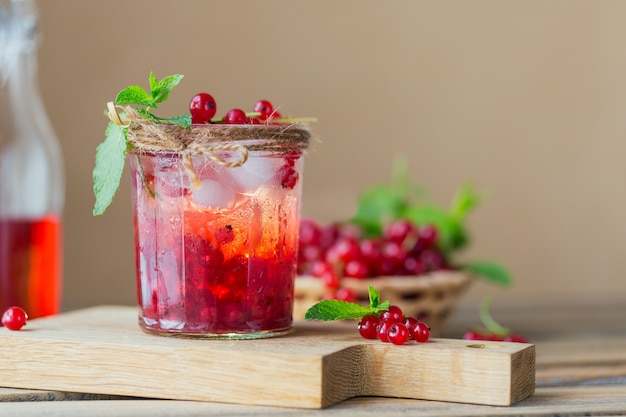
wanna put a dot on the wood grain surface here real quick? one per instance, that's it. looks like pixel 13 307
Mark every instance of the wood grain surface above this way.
pixel 102 351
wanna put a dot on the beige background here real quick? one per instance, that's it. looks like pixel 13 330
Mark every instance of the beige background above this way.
pixel 526 99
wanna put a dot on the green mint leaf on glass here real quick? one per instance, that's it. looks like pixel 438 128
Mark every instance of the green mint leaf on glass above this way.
pixel 182 120
pixel 111 153
pixel 160 90
pixel 329 310
pixel 110 157
pixel 134 95
pixel 490 271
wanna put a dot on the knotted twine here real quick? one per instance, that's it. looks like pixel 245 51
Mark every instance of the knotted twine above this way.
pixel 210 140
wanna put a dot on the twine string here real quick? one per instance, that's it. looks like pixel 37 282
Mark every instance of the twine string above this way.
pixel 147 136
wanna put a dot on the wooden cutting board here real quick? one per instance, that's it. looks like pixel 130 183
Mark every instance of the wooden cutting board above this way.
pixel 101 350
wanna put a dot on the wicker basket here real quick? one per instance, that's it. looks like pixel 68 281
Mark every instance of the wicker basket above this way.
pixel 431 297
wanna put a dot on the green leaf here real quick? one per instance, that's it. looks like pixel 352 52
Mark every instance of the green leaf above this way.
pixel 135 95
pixel 160 90
pixel 374 296
pixel 183 120
pixel 329 310
pixel 451 233
pixel 491 271
pixel 110 157
pixel 487 320
pixel 464 201
pixel 376 206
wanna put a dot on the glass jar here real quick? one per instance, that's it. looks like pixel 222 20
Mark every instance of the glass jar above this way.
pixel 31 173
pixel 216 231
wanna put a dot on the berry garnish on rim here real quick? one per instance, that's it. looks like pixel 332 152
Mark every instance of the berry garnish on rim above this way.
pixel 377 321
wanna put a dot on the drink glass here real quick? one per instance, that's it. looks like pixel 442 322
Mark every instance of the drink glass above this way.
pixel 216 231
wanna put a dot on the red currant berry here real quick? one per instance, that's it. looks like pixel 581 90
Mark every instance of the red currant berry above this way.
pixel 265 108
pixel 344 250
pixel 420 332
pixel 330 279
pixel 474 335
pixel 202 108
pixel 345 294
pixel 356 268
pixel 368 326
pixel 393 314
pixel 225 234
pixel 410 323
pixel 398 334
pixel 399 230
pixel 14 318
pixel 287 176
pixel 427 235
pixel 310 232
pixel 382 330
pixel 235 117
pixel 515 338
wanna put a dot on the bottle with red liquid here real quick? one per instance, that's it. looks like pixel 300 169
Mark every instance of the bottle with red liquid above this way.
pixel 31 173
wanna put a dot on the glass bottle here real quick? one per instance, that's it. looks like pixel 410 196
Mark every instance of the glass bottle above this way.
pixel 31 173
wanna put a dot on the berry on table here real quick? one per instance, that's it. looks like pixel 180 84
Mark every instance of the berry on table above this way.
pixel 14 318
pixel 420 332
pixel 394 314
pixel 382 330
pixel 202 108
pixel 398 334
pixel 368 326
pixel 235 117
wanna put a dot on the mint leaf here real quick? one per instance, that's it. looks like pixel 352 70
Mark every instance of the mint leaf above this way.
pixel 329 310
pixel 160 90
pixel 183 120
pixel 491 271
pixel 110 157
pixel 135 95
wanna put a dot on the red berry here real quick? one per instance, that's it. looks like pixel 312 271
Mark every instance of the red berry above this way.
pixel 382 330
pixel 330 279
pixel 287 176
pixel 356 268
pixel 398 334
pixel 265 108
pixel 310 232
pixel 343 250
pixel 515 338
pixel 410 323
pixel 202 108
pixel 14 318
pixel 235 117
pixel 420 332
pixel 225 234
pixel 345 294
pixel 368 326
pixel 393 314
pixel 427 235
pixel 473 335
pixel 399 230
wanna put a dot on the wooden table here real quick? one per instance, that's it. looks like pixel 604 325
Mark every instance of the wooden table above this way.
pixel 581 370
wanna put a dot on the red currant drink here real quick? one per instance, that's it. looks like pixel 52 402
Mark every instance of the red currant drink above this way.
pixel 216 249
pixel 30 270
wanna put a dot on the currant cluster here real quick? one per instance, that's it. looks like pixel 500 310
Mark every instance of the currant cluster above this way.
pixel 392 326
pixel 14 318
pixel 341 250
pixel 203 108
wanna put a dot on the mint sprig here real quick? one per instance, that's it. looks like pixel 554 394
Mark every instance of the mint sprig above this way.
pixel 111 153
pixel 329 310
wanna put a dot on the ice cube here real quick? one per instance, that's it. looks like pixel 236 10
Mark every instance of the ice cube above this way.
pixel 214 194
pixel 255 172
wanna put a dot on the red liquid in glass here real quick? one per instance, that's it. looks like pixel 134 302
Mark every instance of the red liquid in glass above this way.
pixel 205 270
pixel 30 266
